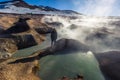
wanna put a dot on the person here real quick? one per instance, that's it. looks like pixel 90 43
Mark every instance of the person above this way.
pixel 48 30
pixel 53 36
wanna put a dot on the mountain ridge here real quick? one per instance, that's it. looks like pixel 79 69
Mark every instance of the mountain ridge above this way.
pixel 20 6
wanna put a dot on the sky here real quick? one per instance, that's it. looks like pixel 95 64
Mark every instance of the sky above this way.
pixel 87 7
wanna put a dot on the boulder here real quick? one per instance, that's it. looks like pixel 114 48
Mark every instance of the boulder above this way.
pixel 109 63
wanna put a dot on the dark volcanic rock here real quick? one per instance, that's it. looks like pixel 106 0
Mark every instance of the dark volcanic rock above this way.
pixel 11 43
pixel 73 26
pixel 1 30
pixel 20 26
pixel 25 41
pixel 69 45
pixel 110 64
pixel 21 41
pixel 55 24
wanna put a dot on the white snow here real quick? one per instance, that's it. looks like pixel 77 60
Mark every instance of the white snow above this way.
pixel 9 8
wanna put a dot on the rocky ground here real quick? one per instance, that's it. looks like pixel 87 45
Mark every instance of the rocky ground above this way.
pixel 26 68
pixel 19 71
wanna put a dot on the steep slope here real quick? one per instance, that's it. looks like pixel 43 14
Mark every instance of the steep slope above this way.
pixel 21 7
pixel 17 3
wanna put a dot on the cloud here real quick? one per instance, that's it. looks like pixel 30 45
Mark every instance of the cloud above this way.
pixel 76 3
pixel 95 7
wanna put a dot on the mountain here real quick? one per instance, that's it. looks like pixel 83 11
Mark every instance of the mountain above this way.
pixel 21 7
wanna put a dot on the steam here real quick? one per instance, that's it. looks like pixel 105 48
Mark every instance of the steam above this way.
pixel 85 28
pixel 95 7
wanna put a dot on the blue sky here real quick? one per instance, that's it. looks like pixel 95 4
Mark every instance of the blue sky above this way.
pixel 88 7
pixel 59 4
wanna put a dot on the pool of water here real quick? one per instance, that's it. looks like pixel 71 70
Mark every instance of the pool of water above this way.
pixel 53 67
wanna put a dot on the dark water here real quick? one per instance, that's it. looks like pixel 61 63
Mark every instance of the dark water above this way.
pixel 53 67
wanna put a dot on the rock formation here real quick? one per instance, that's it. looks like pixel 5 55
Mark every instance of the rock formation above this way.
pixel 110 64
pixel 24 36
pixel 25 68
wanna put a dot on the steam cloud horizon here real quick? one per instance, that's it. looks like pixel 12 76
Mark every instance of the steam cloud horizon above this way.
pixel 95 32
pixel 96 7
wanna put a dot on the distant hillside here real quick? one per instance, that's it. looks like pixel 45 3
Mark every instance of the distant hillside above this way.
pixel 21 7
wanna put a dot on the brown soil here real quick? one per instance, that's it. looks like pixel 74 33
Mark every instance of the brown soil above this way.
pixel 19 71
